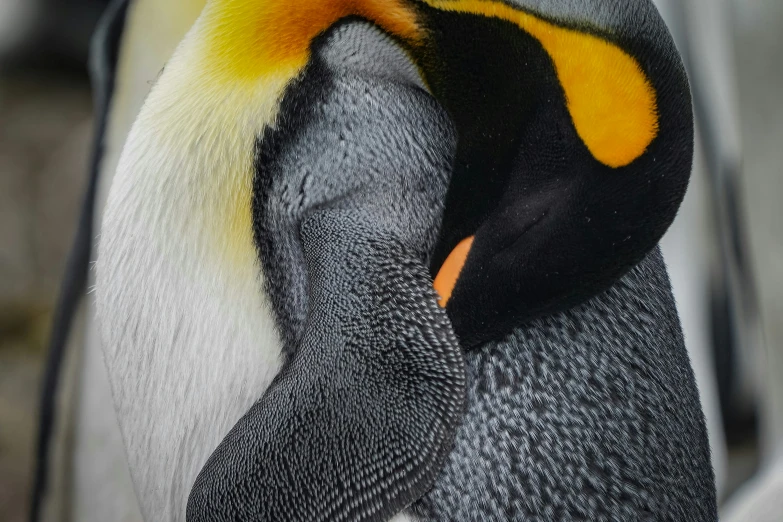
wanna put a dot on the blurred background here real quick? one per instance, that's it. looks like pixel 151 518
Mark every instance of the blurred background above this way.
pixel 725 250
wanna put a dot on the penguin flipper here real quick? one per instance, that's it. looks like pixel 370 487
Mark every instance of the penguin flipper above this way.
pixel 357 426
pixel 361 418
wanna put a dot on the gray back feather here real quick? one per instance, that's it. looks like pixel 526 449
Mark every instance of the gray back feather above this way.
pixel 590 414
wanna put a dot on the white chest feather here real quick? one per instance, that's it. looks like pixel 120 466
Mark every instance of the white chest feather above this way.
pixel 189 338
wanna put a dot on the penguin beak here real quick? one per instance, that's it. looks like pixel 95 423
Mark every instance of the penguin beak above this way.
pixel 449 273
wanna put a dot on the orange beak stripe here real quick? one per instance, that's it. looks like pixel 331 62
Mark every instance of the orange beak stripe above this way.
pixel 449 272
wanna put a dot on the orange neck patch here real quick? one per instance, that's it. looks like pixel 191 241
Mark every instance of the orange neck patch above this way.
pixel 248 39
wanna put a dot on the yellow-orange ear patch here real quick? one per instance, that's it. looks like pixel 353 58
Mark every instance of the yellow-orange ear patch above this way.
pixel 611 101
pixel 449 272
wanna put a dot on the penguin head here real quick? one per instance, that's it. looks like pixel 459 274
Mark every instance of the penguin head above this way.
pixel 575 148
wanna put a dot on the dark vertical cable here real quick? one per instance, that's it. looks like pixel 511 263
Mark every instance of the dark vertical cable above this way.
pixel 103 58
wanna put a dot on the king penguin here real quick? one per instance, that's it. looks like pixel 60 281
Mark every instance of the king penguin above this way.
pixel 378 259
